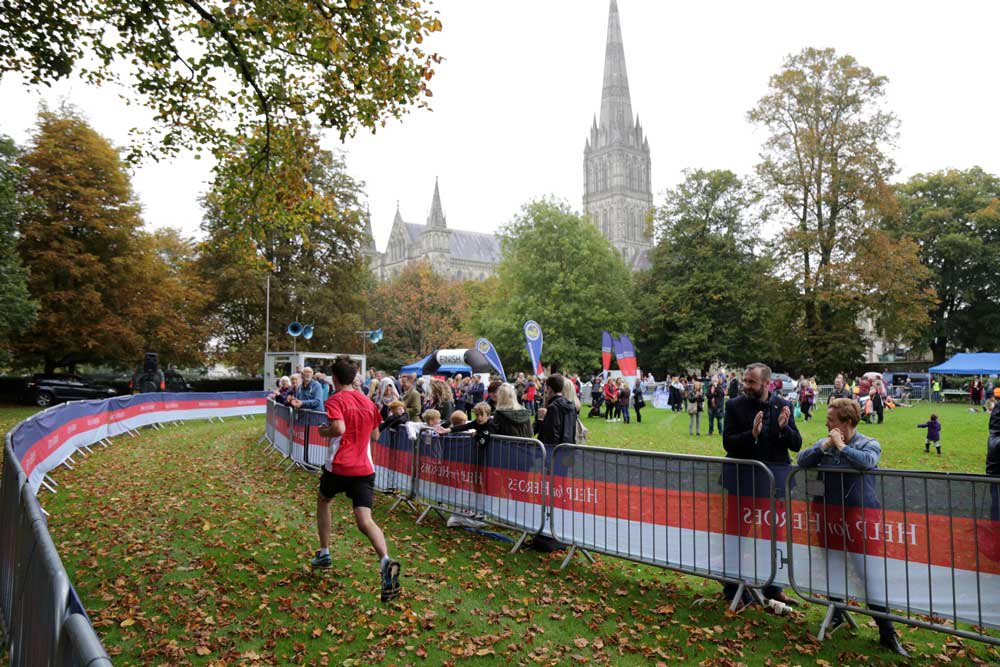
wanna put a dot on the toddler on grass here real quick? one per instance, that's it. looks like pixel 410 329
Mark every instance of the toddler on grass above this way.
pixel 933 427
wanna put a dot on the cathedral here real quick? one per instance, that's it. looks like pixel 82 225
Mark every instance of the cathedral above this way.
pixel 617 192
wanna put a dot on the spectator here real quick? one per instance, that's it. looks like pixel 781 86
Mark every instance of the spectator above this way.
pixel 396 415
pixel 716 404
pixel 324 384
pixel 734 386
pixel 386 394
pixel 639 401
pixel 695 401
pixel 462 394
pixel 441 398
pixel 596 395
pixel 528 396
pixel 840 390
pixel 976 392
pixel 876 402
pixel 483 425
pixel 807 396
pixel 556 422
pixel 511 418
pixel 844 447
pixel 935 390
pixel 676 388
pixel 354 421
pixel 296 379
pixel 624 400
pixel 610 400
pixel 309 395
pixel 281 395
pixel 476 391
pixel 411 397
pixel 491 394
pixel 432 418
pixel 760 426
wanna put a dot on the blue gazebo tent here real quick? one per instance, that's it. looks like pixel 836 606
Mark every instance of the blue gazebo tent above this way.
pixel 970 363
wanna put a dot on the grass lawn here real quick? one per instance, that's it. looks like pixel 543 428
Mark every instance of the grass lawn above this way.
pixel 963 436
pixel 188 546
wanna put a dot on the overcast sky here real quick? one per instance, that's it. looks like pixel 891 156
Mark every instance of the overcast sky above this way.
pixel 521 82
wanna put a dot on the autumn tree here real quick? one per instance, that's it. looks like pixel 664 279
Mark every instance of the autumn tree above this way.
pixel 558 270
pixel 173 315
pixel 707 296
pixel 418 311
pixel 954 218
pixel 302 222
pixel 16 307
pixel 211 69
pixel 78 240
pixel 825 167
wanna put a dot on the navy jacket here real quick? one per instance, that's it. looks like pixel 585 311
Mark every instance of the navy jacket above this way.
pixel 773 444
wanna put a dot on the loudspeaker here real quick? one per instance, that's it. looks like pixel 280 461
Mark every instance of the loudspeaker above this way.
pixel 151 363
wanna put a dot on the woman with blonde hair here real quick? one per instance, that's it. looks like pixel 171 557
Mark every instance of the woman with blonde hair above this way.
pixel 441 398
pixel 511 418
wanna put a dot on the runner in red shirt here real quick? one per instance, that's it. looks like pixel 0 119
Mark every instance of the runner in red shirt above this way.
pixel 354 421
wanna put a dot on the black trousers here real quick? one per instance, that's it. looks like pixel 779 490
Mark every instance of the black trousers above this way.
pixel 638 415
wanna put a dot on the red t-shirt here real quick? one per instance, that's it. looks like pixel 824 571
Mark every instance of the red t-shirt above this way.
pixel 351 455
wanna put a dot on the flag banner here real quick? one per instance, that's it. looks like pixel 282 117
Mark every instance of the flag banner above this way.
pixel 486 348
pixel 627 362
pixel 606 351
pixel 533 341
pixel 616 345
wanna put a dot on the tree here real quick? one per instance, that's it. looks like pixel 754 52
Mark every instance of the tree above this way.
pixel 558 270
pixel 707 296
pixel 173 319
pixel 418 311
pixel 954 218
pixel 210 69
pixel 301 221
pixel 17 310
pixel 78 240
pixel 825 166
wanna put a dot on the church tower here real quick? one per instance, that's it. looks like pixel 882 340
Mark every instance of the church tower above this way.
pixel 436 235
pixel 617 190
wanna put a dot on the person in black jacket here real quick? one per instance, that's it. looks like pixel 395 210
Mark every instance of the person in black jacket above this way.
pixel 759 425
pixel 510 418
pixel 556 422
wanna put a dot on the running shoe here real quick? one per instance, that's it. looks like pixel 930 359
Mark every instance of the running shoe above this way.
pixel 390 580
pixel 321 561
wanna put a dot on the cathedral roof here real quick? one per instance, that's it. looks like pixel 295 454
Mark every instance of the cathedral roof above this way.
pixel 475 246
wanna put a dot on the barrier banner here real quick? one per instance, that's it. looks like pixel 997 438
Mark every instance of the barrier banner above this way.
pixel 922 542
pixel 504 481
pixel 283 420
pixel 270 419
pixel 316 445
pixel 298 453
pixel 393 459
pixel 44 440
pixel 668 510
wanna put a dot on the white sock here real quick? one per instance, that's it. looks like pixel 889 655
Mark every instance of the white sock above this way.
pixel 324 552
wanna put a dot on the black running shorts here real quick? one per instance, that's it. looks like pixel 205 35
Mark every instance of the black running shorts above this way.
pixel 361 490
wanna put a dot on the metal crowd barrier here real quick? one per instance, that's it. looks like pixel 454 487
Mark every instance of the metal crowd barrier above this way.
pixel 918 548
pixel 35 615
pixel 501 483
pixel 394 457
pixel 681 512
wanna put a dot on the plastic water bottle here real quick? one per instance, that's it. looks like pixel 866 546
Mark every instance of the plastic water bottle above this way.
pixel 778 607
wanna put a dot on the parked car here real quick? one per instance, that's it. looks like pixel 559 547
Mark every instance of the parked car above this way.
pixel 788 385
pixel 44 390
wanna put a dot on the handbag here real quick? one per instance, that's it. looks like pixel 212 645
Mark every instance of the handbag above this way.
pixel 692 407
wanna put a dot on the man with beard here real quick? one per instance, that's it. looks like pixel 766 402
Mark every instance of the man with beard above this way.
pixel 759 426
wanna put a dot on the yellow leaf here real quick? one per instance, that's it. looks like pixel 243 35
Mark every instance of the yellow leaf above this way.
pixel 127 622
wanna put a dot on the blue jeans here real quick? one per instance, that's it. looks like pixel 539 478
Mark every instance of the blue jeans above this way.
pixel 625 417
pixel 714 416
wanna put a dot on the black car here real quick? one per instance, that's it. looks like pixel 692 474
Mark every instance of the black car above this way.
pixel 44 390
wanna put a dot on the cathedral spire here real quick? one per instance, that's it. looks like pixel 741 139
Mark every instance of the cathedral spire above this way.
pixel 436 217
pixel 616 104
